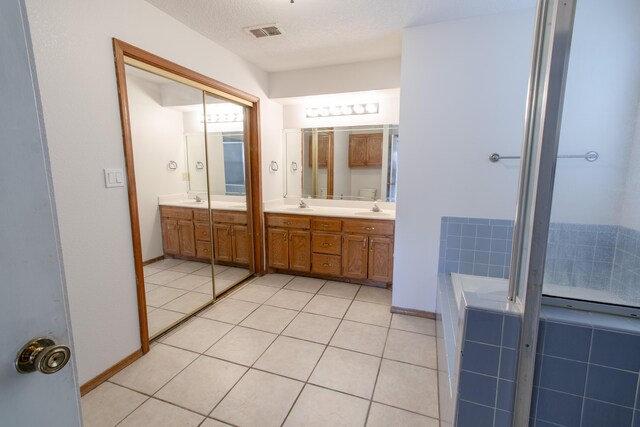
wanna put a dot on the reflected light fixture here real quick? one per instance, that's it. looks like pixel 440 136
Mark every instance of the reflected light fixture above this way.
pixel 223 118
pixel 343 110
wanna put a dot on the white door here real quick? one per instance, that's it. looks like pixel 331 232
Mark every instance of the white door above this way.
pixel 33 301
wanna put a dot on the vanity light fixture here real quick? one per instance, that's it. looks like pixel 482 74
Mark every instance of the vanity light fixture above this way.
pixel 343 110
pixel 223 118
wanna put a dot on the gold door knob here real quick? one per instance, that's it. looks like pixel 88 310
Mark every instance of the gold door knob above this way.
pixel 42 355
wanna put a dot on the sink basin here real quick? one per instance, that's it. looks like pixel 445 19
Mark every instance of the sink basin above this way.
pixel 374 214
pixel 296 209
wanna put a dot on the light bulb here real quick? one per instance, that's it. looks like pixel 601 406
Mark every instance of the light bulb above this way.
pixel 335 111
pixel 358 108
pixel 346 110
pixel 324 111
pixel 312 112
pixel 372 108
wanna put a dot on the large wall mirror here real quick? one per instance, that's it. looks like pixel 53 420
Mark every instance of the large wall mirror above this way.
pixel 190 148
pixel 344 163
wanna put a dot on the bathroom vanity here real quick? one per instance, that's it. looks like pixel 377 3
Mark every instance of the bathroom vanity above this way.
pixel 349 249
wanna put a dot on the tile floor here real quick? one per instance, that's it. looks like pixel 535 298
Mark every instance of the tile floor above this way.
pixel 176 287
pixel 281 351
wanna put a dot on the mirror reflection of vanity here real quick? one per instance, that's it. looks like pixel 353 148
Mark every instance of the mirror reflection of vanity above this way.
pixel 342 163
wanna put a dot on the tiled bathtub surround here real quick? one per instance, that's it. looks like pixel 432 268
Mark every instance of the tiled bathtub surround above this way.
pixel 603 257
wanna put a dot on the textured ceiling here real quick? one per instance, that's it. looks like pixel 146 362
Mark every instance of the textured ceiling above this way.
pixel 321 32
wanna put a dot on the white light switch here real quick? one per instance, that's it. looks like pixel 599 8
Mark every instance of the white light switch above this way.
pixel 113 178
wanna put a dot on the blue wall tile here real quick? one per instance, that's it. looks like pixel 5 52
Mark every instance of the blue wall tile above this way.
pixel 599 414
pixel 480 358
pixel 563 375
pixel 472 415
pixel 568 341
pixel 559 408
pixel 503 419
pixel 477 388
pixel 511 331
pixel 626 354
pixel 484 327
pixel 508 364
pixel 506 395
pixel 612 385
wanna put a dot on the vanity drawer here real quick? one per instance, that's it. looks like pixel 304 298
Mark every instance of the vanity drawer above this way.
pixel 201 215
pixel 203 250
pixel 326 243
pixel 178 213
pixel 380 228
pixel 202 231
pixel 326 224
pixel 326 264
pixel 288 221
pixel 229 217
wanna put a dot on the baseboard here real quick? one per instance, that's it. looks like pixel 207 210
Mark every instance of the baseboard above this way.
pixel 413 312
pixel 95 382
pixel 152 260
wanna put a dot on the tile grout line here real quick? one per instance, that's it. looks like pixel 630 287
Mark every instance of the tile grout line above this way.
pixel 375 383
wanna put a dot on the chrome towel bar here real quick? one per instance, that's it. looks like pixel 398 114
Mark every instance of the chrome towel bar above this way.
pixel 589 156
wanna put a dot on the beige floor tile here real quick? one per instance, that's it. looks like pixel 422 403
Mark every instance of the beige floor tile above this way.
pixel 339 289
pixel 412 348
pixel 312 327
pixel 197 334
pixel 269 319
pixel 366 312
pixel 385 416
pixel 160 319
pixel 109 404
pixel 346 371
pixel 162 295
pixel 259 399
pixel 408 387
pixel 188 282
pixel 217 268
pixel 202 384
pixel 223 285
pixel 148 270
pixel 230 311
pixel 204 271
pixel 254 293
pixel 274 280
pixel 205 288
pixel 164 277
pixel 188 302
pixel 154 369
pixel 328 306
pixel 360 337
pixel 242 345
pixel 213 423
pixel 305 284
pixel 293 300
pixel 290 357
pixel 375 295
pixel 160 414
pixel 150 309
pixel 233 273
pixel 319 407
pixel 166 263
pixel 150 287
pixel 189 266
pixel 419 325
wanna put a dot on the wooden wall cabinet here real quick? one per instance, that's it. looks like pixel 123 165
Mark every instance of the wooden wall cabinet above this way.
pixel 365 150
pixel 358 250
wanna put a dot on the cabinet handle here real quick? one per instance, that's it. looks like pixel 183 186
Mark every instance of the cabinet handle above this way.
pixel 326 264
pixel 287 222
pixel 325 225
pixel 364 243
pixel 369 228
pixel 325 244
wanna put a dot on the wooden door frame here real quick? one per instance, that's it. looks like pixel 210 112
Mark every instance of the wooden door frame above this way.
pixel 254 189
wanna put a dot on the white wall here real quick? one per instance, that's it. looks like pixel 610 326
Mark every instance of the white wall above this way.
pixel 158 137
pixel 359 76
pixel 630 214
pixel 74 60
pixel 464 87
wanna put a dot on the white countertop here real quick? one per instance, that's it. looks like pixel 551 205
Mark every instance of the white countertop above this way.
pixel 225 203
pixel 340 212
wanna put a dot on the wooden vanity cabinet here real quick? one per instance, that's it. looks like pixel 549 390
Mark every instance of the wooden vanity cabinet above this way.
pixel 358 250
pixel 178 237
pixel 231 237
pixel 365 150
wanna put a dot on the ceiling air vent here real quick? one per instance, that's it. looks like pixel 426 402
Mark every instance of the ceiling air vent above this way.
pixel 266 30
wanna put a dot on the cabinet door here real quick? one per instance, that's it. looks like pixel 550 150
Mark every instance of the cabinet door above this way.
pixel 357 150
pixel 278 248
pixel 374 150
pixel 240 244
pixel 299 250
pixel 187 238
pixel 222 243
pixel 170 237
pixel 354 256
pixel 380 259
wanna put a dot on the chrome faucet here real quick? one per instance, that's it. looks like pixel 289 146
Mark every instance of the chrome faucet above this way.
pixel 303 204
pixel 198 198
pixel 375 207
